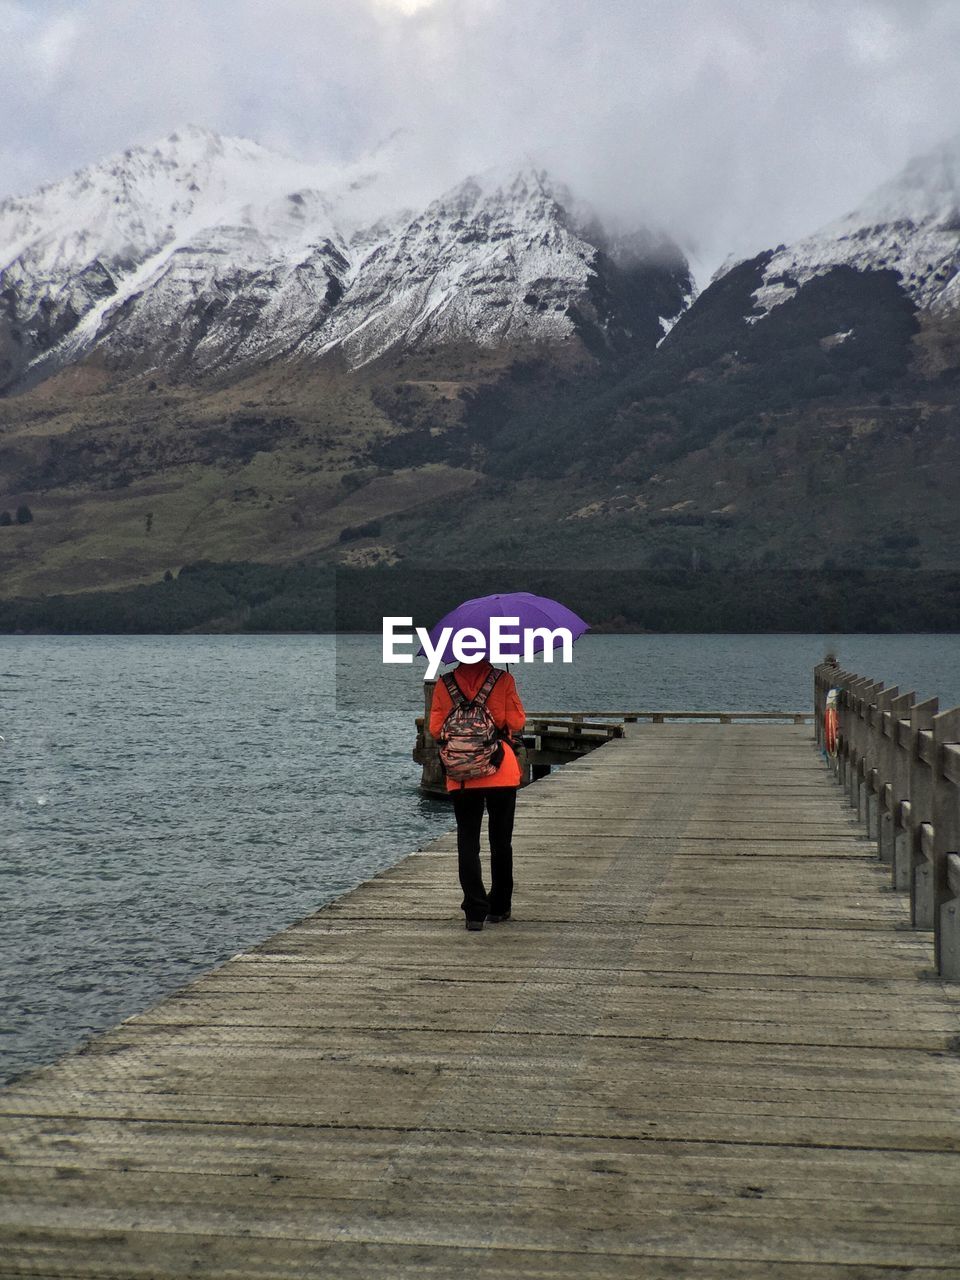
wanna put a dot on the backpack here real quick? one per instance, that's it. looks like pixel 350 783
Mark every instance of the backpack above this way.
pixel 470 745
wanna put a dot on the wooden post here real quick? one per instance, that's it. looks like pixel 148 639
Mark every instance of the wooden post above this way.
pixel 846 725
pixel 875 761
pixel 865 689
pixel 865 806
pixel 852 724
pixel 842 681
pixel 426 752
pixel 819 699
pixel 895 832
pixel 949 933
pixel 886 728
pixel 921 811
pixel 428 688
pixel 946 845
pixel 818 686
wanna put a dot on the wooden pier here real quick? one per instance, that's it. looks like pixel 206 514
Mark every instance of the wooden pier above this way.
pixel 709 1045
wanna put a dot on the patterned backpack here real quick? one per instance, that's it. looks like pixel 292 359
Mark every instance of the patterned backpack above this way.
pixel 470 745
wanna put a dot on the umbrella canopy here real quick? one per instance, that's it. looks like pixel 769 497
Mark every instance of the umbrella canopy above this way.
pixel 532 611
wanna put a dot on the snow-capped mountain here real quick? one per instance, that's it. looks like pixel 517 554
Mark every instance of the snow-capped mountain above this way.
pixel 502 258
pixel 147 251
pixel 910 225
pixel 203 253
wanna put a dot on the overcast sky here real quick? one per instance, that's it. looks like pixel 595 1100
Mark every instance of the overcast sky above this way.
pixel 735 123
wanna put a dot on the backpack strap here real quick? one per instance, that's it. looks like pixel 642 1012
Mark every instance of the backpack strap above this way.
pixel 456 693
pixel 479 699
pixel 483 693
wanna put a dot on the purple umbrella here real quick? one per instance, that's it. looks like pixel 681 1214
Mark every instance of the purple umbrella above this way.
pixel 533 611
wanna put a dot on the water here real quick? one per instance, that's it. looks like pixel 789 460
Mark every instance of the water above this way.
pixel 167 801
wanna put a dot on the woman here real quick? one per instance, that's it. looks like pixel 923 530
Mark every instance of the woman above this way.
pixel 498 792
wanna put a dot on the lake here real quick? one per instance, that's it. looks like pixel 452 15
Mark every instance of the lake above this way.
pixel 167 801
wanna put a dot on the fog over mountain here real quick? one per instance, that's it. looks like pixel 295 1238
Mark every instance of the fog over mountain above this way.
pixel 736 124
pixel 202 253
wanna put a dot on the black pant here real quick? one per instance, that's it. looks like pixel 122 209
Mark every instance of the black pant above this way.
pixel 468 805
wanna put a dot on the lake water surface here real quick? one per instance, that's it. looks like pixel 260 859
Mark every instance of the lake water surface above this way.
pixel 166 801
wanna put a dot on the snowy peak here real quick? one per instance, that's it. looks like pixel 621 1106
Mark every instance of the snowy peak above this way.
pixel 199 253
pixel 500 260
pixel 925 192
pixel 910 225
pixel 133 202
pixel 506 189
pixel 92 258
pixel 459 270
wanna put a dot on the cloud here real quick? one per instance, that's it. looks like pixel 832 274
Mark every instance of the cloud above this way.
pixel 735 123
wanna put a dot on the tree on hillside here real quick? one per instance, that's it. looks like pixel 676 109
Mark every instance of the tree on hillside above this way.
pixel 5 518
pixel 24 514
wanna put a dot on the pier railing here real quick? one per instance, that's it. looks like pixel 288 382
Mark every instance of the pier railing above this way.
pixel 899 760
pixel 663 717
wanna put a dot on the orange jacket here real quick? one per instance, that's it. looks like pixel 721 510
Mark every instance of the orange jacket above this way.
pixel 506 711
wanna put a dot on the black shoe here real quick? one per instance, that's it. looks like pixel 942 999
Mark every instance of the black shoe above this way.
pixel 498 919
pixel 474 925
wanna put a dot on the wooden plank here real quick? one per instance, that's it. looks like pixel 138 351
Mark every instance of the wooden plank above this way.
pixel 707 1045
pixel 405 1220
pixel 92 1254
